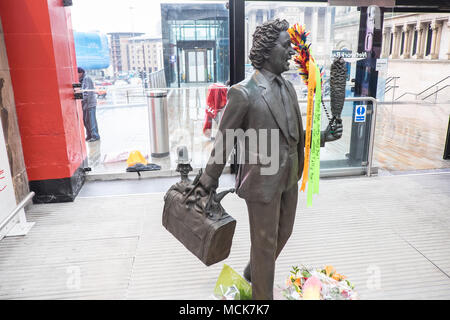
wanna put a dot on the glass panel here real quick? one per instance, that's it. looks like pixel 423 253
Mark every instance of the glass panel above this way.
pixel 192 66
pixel 201 68
pixel 334 31
pixel 196 25
pixel 143 45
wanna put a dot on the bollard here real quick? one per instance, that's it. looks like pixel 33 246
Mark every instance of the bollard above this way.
pixel 158 123
pixel 447 142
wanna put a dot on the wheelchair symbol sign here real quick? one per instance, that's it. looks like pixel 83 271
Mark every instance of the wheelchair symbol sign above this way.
pixel 360 113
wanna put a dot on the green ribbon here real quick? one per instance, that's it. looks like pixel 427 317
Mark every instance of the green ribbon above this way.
pixel 314 171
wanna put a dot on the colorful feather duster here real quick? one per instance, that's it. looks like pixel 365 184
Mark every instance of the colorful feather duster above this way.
pixel 299 38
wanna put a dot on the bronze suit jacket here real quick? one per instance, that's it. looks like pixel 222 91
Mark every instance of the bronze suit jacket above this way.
pixel 252 105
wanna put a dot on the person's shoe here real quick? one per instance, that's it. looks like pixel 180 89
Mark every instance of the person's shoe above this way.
pixel 248 273
pixel 92 139
pixel 87 139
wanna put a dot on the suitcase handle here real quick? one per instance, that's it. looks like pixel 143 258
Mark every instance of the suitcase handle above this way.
pixel 195 184
pixel 212 208
pixel 213 205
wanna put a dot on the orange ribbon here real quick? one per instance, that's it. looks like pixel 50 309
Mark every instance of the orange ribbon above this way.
pixel 309 117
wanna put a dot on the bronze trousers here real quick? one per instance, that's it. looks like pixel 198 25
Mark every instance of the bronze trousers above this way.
pixel 271 225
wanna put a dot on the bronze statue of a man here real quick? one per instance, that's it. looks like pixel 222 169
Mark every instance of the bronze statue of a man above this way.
pixel 265 103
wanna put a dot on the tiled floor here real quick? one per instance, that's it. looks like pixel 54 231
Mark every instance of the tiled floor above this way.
pixel 411 137
pixel 391 237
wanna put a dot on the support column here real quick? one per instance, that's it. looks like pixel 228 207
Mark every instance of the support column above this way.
pixel 41 55
pixel 315 22
pixel 302 15
pixel 448 29
pixel 420 40
pixel 408 37
pixel 396 41
pixel 434 35
pixel 386 41
pixel 437 46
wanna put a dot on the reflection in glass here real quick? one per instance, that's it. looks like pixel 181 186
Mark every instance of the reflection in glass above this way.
pixel 195 43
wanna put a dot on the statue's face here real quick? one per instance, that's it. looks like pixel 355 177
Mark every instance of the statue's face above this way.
pixel 278 60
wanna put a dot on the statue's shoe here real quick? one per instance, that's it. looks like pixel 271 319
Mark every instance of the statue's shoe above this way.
pixel 248 273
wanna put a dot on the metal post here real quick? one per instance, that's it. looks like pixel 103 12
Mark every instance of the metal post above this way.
pixel 393 90
pixel 158 123
pixel 447 142
pixel 372 136
pixel 237 40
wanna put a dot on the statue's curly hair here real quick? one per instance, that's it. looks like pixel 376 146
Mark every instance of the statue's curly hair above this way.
pixel 264 40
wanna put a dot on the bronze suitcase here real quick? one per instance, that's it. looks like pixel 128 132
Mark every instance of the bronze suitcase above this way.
pixel 199 223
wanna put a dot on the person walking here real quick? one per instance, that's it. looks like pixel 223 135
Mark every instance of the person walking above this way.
pixel 89 104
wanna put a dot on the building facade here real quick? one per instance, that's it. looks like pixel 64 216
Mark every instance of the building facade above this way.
pixel 318 19
pixel 195 43
pixel 418 48
pixel 144 54
pixel 119 51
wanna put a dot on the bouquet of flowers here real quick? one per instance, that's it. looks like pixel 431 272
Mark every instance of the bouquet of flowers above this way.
pixel 318 284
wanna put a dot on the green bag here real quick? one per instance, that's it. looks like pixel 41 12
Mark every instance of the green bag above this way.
pixel 227 278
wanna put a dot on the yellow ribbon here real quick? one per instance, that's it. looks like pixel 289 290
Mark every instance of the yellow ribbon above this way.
pixel 309 116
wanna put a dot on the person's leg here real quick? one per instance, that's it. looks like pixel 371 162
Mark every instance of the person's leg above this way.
pixel 93 123
pixel 263 233
pixel 288 208
pixel 86 123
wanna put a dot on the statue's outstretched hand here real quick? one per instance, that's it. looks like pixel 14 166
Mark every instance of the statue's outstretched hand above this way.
pixel 332 134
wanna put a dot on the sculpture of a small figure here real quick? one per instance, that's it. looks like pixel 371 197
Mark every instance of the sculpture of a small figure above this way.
pixel 265 101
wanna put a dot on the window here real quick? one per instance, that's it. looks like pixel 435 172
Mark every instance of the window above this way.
pixel 414 48
pixel 390 43
pixel 402 47
pixel 429 36
pixel 321 23
pixel 308 16
pixel 259 17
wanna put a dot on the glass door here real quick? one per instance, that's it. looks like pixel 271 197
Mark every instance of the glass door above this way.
pixel 196 65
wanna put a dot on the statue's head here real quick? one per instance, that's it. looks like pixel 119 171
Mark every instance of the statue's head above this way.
pixel 271 48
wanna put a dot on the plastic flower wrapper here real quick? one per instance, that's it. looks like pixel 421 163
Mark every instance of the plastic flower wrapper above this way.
pixel 325 284
pixel 231 293
pixel 232 286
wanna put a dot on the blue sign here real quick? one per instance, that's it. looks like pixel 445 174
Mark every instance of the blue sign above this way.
pixel 92 50
pixel 360 113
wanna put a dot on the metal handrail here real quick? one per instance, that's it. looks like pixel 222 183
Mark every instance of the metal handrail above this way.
pixel 389 79
pixel 436 92
pixel 389 88
pixel 414 94
pixel 433 85
pixel 372 126
pixel 17 209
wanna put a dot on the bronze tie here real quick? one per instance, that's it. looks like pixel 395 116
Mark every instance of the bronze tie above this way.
pixel 290 113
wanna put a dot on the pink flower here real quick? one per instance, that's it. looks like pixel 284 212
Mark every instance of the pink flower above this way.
pixel 311 289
